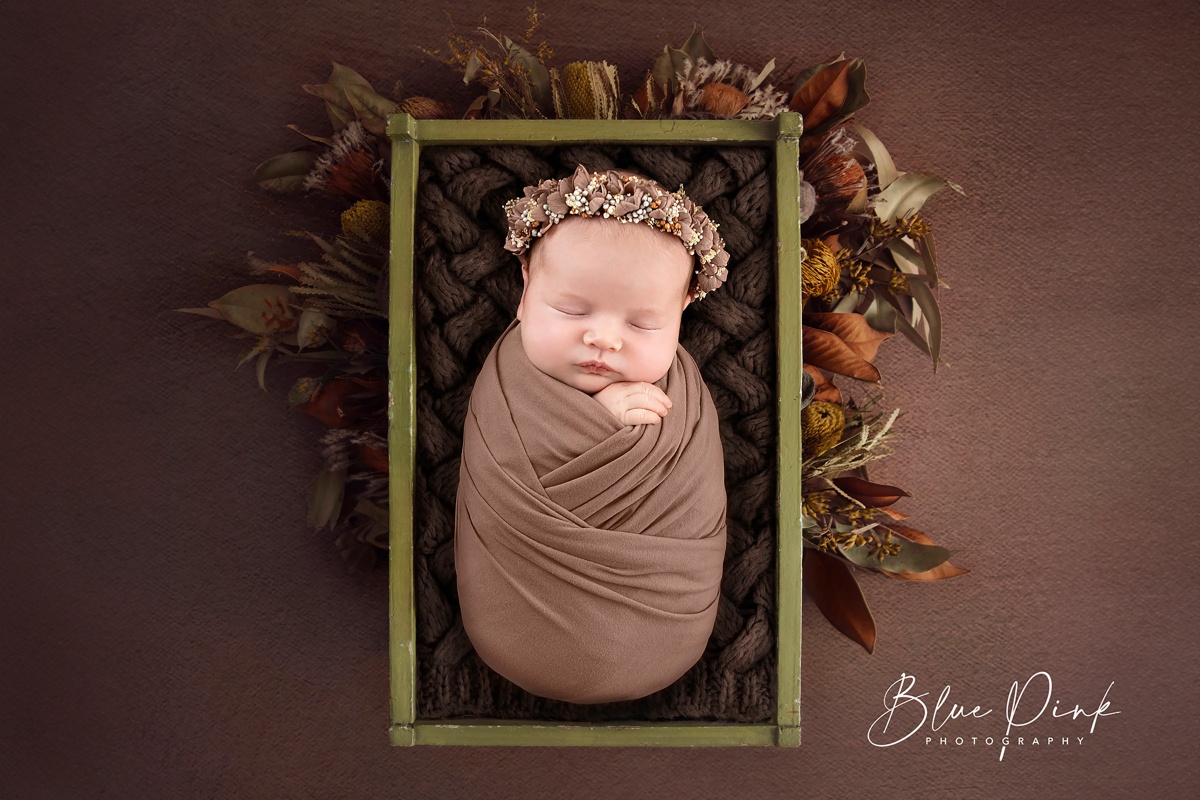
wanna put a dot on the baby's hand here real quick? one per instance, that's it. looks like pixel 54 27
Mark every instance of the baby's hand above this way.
pixel 635 403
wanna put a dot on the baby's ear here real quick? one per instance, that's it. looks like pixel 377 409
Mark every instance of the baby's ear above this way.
pixel 524 259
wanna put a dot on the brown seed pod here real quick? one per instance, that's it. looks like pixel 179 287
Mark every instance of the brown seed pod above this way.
pixel 723 100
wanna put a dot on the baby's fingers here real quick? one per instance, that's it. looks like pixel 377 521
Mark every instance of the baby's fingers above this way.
pixel 661 395
pixel 651 398
pixel 641 416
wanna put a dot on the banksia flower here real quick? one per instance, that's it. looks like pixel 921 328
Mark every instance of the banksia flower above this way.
pixel 591 90
pixel 426 108
pixel 723 100
pixel 821 427
pixel 367 220
pixel 820 272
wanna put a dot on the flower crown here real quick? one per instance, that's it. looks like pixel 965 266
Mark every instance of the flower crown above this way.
pixel 625 198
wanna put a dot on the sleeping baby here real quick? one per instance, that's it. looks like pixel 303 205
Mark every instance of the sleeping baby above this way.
pixel 590 519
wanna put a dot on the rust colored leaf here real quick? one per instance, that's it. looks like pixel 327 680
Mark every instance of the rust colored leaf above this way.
pixel 873 495
pixel 833 587
pixel 342 402
pixel 938 573
pixel 823 94
pixel 825 389
pixel 853 329
pixel 828 351
pixel 291 270
pixel 374 458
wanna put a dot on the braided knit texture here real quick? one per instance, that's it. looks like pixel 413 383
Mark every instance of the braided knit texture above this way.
pixel 467 290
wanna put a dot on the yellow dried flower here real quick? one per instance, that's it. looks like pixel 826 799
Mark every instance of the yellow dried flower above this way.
pixel 590 89
pixel 820 272
pixel 814 505
pixel 898 284
pixel 860 279
pixel 913 226
pixel 367 220
pixel 821 427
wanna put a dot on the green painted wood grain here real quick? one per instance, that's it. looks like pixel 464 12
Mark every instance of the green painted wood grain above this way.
pixel 631 734
pixel 402 440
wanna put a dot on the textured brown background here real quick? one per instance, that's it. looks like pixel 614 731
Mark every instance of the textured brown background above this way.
pixel 168 626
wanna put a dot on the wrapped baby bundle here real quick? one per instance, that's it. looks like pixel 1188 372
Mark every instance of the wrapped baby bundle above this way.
pixel 589 553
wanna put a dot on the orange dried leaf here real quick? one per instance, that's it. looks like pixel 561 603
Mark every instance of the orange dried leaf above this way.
pixel 826 391
pixel 823 94
pixel 828 351
pixel 853 329
pixel 832 586
pixel 873 495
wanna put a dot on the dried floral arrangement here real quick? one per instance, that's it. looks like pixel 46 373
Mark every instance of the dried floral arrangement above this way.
pixel 869 270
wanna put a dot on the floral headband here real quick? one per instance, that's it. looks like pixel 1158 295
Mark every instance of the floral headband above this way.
pixel 625 198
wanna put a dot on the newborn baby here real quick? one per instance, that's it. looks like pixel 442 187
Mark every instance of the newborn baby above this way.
pixel 590 522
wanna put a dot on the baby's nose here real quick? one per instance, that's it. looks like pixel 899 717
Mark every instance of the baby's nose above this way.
pixel 604 337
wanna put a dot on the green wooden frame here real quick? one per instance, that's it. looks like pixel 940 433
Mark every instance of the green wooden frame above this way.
pixel 408 136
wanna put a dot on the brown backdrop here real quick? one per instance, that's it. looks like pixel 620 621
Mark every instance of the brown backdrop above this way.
pixel 170 628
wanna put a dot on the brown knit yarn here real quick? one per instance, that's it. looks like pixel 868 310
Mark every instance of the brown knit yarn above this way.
pixel 467 289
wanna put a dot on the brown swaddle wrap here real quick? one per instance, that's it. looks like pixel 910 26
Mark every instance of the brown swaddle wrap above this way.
pixel 588 553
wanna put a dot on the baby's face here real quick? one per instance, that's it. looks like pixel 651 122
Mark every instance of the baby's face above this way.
pixel 601 305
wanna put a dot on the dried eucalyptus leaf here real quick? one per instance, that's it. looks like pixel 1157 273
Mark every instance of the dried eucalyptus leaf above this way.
pixel 912 557
pixel 325 140
pixel 695 47
pixel 474 64
pixel 762 76
pixel 204 312
pixel 880 315
pixel 326 500
pixel 907 194
pixel 663 68
pixel 923 296
pixel 314 328
pixel 885 167
pixel 906 257
pixel 285 173
pixel 913 335
pixel 336 105
pixel 343 76
pixel 539 78
pixel 372 109
pixel 260 368
pixel 847 303
pixel 249 307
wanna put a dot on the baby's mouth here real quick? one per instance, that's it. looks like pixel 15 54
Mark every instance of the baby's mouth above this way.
pixel 595 367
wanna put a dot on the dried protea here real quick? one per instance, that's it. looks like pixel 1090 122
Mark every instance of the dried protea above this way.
pixel 426 108
pixel 367 220
pixel 839 182
pixel 591 90
pixel 353 167
pixel 820 272
pixel 723 100
pixel 821 427
pixel 762 102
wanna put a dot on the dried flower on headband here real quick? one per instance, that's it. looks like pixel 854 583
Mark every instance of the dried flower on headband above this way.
pixel 626 198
